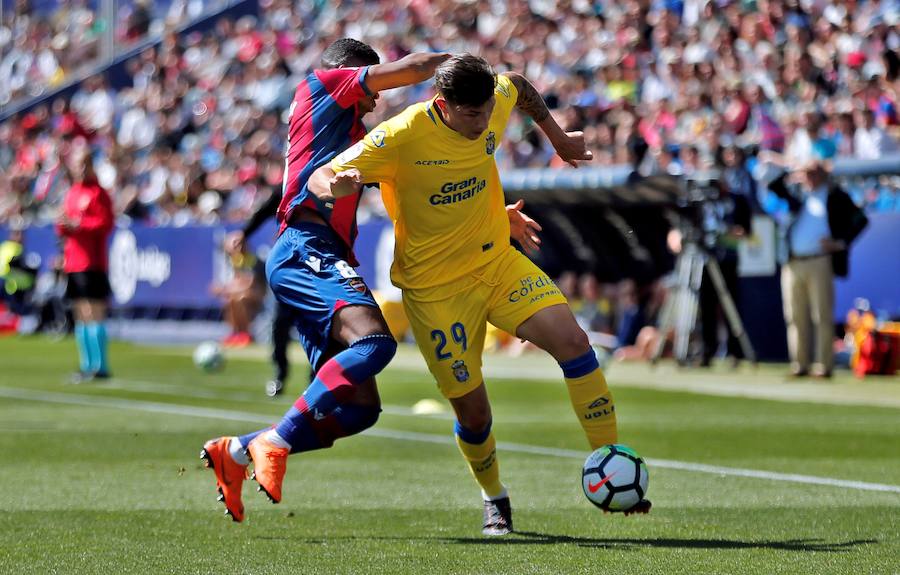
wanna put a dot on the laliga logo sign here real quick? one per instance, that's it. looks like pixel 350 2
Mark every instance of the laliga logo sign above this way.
pixel 128 265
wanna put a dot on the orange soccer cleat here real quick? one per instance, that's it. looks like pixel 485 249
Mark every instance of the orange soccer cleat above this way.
pixel 269 465
pixel 229 475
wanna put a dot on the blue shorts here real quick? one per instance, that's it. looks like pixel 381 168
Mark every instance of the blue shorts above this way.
pixel 307 270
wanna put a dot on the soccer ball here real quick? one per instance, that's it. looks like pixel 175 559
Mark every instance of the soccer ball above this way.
pixel 208 356
pixel 614 478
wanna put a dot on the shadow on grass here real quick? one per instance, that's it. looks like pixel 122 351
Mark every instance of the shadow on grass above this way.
pixel 533 538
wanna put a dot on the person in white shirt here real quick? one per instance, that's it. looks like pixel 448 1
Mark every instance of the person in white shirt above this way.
pixel 870 141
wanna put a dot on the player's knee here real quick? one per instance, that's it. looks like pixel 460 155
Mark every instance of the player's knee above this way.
pixel 357 418
pixel 572 343
pixel 474 431
pixel 378 349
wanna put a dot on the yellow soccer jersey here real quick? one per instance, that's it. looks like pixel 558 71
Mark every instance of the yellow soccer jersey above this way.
pixel 441 190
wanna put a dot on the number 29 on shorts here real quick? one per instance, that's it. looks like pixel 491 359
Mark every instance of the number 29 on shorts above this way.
pixel 458 335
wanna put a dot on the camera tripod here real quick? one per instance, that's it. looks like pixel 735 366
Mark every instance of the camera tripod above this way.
pixel 679 313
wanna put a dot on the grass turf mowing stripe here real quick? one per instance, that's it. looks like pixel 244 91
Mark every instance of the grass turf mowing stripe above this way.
pixel 231 415
pixel 156 388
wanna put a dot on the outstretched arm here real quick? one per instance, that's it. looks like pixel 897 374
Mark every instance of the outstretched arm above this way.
pixel 569 145
pixel 410 69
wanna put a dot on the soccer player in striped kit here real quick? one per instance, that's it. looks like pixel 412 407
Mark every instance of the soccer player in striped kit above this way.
pixel 310 268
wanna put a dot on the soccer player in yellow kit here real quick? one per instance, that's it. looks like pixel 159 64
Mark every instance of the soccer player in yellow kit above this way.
pixel 453 259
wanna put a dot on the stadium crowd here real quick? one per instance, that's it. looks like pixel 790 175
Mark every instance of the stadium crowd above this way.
pixel 42 50
pixel 670 86
pixel 47 43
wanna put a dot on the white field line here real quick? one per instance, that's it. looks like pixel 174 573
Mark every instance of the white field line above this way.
pixel 717 385
pixel 243 416
pixel 769 386
pixel 768 389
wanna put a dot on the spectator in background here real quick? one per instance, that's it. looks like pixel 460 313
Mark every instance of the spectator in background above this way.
pixel 870 141
pixel 632 317
pixel 825 223
pixel 638 310
pixel 736 176
pixel 243 295
pixel 16 275
pixel 801 135
pixel 844 134
pixel 587 309
pixel 93 102
pixel 690 161
pixel 137 23
pixel 84 226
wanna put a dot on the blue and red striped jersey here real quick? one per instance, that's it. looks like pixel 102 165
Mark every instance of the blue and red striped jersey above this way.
pixel 324 121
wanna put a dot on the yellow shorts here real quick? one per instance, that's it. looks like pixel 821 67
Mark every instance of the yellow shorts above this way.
pixel 450 321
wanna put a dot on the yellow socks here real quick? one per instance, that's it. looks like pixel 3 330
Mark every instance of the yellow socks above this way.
pixel 593 405
pixel 591 399
pixel 480 451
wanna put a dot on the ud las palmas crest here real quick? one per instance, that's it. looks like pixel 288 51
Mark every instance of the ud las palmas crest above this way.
pixel 460 371
pixel 490 142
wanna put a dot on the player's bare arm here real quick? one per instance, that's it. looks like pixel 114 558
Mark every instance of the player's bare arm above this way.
pixel 410 69
pixel 327 185
pixel 569 145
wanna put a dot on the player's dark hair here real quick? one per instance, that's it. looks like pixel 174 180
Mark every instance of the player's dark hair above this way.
pixel 347 50
pixel 465 80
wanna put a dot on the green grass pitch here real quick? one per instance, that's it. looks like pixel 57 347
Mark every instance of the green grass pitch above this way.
pixel 105 477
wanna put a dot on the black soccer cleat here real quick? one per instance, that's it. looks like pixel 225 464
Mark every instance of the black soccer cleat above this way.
pixel 497 518
pixel 642 507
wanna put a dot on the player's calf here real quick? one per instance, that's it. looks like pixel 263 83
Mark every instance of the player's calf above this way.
pixel 591 399
pixel 328 410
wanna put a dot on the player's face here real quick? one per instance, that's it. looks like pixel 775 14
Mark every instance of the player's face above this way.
pixel 470 121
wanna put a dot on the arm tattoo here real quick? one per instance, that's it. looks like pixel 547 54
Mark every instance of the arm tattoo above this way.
pixel 530 101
